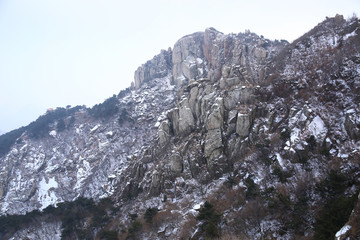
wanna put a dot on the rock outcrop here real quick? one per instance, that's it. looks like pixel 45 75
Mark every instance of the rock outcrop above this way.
pixel 266 130
pixel 158 67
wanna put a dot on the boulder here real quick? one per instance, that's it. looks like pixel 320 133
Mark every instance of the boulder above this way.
pixel 229 82
pixel 156 182
pixel 1 192
pixel 164 132
pixel 225 71
pixel 216 117
pixel 189 68
pixel 351 126
pixel 140 172
pixel 243 124
pixel 247 95
pixel 173 115
pixel 260 53
pixel 213 145
pixel 232 98
pixel 206 101
pixel 231 122
pixel 193 100
pixel 176 163
pixel 186 120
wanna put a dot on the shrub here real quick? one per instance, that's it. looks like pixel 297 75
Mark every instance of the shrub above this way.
pixel 249 220
pixel 60 126
pixel 252 189
pixel 325 151
pixel 106 109
pixel 123 116
pixel 281 174
pixel 230 182
pixel 75 218
pixel 7 140
pixel 333 185
pixel 133 216
pixel 123 93
pixel 108 235
pixel 285 134
pixel 41 126
pixel 150 213
pixel 333 216
pixel 135 227
pixel 210 220
pixel 337 207
pixel 264 152
pixel 311 141
pixel 282 89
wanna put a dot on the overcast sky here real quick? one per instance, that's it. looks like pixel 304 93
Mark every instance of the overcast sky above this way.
pixel 55 53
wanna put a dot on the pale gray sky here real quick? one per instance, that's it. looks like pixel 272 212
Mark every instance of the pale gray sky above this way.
pixel 55 53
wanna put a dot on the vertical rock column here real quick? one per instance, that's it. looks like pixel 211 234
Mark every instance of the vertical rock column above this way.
pixel 214 125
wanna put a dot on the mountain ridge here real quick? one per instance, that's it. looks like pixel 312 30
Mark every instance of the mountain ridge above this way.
pixel 237 120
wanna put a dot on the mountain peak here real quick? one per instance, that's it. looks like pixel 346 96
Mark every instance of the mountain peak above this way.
pixel 202 55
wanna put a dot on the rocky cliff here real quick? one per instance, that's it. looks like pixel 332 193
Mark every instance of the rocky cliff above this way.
pixel 225 135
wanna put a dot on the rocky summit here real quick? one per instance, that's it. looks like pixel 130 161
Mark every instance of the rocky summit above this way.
pixel 224 136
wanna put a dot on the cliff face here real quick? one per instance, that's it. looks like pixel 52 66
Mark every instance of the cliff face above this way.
pixel 267 132
pixel 204 54
pixel 158 67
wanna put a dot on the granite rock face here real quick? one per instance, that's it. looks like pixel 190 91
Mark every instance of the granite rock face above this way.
pixel 251 124
pixel 158 67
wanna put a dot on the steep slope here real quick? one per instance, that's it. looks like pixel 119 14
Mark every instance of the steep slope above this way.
pixel 223 135
pixel 84 158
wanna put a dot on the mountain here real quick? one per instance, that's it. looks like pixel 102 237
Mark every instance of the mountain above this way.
pixel 228 136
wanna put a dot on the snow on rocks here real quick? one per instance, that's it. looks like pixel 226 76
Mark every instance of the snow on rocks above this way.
pixel 197 206
pixel 280 160
pixel 342 231
pixel 82 159
pixel 53 133
pixel 95 128
pixel 317 128
pixel 303 124
pixel 46 195
pixel 349 35
pixel 109 134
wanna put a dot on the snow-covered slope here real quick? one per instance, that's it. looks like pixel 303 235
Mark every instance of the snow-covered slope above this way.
pixel 86 158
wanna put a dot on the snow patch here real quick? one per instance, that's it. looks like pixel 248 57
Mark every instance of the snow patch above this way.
pixel 46 195
pixel 110 134
pixel 350 111
pixel 352 34
pixel 82 174
pixel 53 133
pixel 190 59
pixel 199 60
pixel 197 206
pixel 94 128
pixel 317 128
pixel 280 160
pixel 112 176
pixel 294 135
pixel 342 231
pixel 14 151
